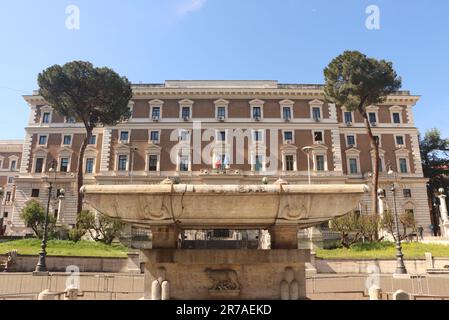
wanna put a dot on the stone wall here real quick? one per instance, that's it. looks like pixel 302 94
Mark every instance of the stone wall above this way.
pixel 366 266
pixel 85 264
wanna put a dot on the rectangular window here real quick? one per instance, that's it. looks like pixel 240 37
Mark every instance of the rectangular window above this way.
pixel 348 117
pixel 319 163
pixel 377 140
pixel 154 136
pixel 122 162
pixel 287 113
pixel 399 140
pixel 316 113
pixel 350 140
pixel 92 140
pixel 288 136
pixel 184 163
pixel 8 196
pixel 90 165
pixel 353 168
pixel 184 135
pixel 35 193
pixel 13 165
pixel 64 165
pixel 318 136
pixel 156 113
pixel 39 165
pixel 372 117
pixel 381 168
pixel 185 112
pixel 289 163
pixel 152 162
pixel 258 136
pixel 124 136
pixel 221 136
pixel 42 140
pixel 71 120
pixel 258 163
pixel 221 112
pixel 67 140
pixel 46 117
pixel 10 180
pixel 5 214
pixel 396 117
pixel 257 113
pixel 403 165
pixel 407 193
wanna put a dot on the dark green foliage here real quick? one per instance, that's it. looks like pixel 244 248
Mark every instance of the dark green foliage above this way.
pixel 354 227
pixel 34 217
pixel 94 96
pixel 355 81
pixel 102 228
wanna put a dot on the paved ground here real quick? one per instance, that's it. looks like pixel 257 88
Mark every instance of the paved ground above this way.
pixel 130 287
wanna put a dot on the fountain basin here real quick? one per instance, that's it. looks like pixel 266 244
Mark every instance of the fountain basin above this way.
pixel 224 206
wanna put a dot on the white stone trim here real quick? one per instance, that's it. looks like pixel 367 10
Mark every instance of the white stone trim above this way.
pixel 398 110
pixel 26 152
pixel 416 154
pixel 316 104
pixel 221 103
pixel 62 140
pixel 353 154
pixel 186 103
pixel 156 103
pixel 346 140
pixel 46 140
pixel 106 150
pixel 256 103
pixel 283 136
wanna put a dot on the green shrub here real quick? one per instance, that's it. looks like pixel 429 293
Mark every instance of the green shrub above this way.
pixel 34 217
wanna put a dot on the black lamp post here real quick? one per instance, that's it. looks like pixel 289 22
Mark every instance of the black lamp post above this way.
pixel 41 267
pixel 400 266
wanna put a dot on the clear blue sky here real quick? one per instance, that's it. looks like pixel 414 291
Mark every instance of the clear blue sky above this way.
pixel 287 40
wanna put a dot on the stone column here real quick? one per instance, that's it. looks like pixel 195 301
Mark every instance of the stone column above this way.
pixel 443 208
pixel 284 237
pixel 444 214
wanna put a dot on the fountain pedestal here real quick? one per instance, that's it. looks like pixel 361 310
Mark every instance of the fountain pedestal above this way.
pixel 228 274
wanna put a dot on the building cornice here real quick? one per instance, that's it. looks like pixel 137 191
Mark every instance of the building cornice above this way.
pixel 234 89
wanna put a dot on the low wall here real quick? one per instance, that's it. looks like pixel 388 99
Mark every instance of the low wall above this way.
pixel 85 264
pixel 366 266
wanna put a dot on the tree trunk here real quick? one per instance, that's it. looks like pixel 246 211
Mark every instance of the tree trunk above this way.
pixel 375 177
pixel 80 175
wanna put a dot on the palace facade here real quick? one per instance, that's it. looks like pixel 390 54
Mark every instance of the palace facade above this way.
pixel 221 132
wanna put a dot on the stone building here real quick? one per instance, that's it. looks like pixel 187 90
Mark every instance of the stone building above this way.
pixel 10 158
pixel 224 132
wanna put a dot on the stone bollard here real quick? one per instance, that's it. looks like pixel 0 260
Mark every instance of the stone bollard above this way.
pixel 47 295
pixel 401 295
pixel 165 290
pixel 375 293
pixel 285 291
pixel 156 290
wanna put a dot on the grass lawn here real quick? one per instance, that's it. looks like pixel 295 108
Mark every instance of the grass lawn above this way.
pixel 384 250
pixel 65 248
